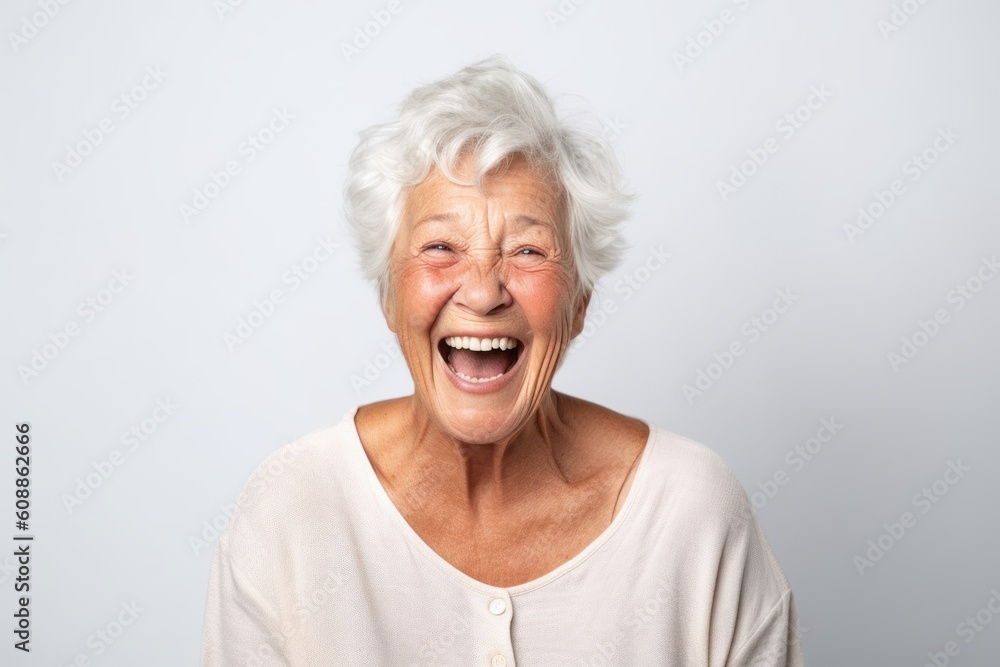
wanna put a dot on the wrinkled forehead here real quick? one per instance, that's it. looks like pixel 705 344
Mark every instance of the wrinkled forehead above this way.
pixel 524 192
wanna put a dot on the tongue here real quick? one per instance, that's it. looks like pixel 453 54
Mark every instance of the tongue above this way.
pixel 480 364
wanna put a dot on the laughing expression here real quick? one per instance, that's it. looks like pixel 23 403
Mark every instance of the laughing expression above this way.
pixel 483 297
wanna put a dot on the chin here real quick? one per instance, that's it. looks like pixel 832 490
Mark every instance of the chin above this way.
pixel 480 425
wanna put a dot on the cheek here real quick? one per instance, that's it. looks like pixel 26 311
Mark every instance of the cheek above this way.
pixel 544 295
pixel 421 292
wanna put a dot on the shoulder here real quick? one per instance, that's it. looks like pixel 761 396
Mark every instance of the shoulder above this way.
pixel 301 460
pixel 594 417
pixel 695 497
pixel 696 503
pixel 378 424
pixel 692 474
pixel 295 485
pixel 677 470
pixel 694 522
pixel 609 438
pixel 290 525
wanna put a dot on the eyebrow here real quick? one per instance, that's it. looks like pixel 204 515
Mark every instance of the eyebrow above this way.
pixel 438 217
pixel 527 220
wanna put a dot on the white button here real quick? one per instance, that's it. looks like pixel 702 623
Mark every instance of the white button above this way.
pixel 498 606
pixel 499 661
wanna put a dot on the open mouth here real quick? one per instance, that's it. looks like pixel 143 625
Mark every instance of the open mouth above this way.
pixel 479 360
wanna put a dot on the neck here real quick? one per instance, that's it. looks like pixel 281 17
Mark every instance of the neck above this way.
pixel 489 476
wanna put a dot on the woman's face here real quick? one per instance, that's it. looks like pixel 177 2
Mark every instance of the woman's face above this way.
pixel 468 266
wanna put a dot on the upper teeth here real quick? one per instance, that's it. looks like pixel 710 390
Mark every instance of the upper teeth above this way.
pixel 481 344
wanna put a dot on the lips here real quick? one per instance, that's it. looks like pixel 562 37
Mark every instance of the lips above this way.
pixel 480 359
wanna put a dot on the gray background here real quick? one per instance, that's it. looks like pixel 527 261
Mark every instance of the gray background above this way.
pixel 679 130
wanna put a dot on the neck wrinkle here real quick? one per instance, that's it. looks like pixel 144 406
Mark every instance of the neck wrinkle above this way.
pixel 485 478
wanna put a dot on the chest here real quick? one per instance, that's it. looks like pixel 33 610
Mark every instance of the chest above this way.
pixel 524 542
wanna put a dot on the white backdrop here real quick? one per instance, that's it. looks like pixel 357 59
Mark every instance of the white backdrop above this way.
pixel 809 291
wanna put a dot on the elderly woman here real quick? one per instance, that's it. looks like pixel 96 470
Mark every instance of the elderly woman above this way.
pixel 487 520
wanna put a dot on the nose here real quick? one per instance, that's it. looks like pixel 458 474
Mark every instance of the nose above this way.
pixel 483 289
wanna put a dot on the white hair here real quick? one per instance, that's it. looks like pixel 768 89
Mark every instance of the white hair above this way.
pixel 493 111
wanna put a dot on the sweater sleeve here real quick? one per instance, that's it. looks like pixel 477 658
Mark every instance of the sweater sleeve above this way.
pixel 239 629
pixel 775 642
pixel 743 609
pixel 769 637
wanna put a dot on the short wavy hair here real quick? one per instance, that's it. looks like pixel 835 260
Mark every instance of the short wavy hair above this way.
pixel 494 111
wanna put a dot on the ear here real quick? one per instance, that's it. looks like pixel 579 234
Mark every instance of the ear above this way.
pixel 580 314
pixel 389 309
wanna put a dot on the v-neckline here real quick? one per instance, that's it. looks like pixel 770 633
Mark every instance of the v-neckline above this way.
pixel 635 490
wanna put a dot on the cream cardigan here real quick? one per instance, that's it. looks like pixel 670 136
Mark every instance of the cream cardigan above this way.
pixel 318 567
